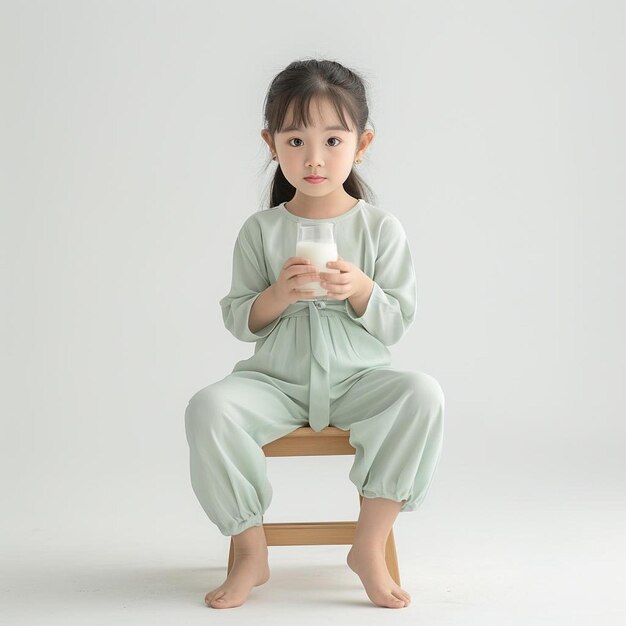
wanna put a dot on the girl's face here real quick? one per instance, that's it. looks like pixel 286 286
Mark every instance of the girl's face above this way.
pixel 323 149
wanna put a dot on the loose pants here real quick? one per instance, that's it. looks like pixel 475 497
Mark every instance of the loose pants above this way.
pixel 395 418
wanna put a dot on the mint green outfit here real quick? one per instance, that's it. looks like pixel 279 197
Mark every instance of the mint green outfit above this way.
pixel 317 364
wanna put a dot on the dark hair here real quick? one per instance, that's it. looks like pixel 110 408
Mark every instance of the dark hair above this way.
pixel 302 81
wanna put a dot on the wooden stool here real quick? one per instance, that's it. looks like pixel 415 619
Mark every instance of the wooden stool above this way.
pixel 305 441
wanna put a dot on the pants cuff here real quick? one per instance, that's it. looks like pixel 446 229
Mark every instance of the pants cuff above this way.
pixel 239 527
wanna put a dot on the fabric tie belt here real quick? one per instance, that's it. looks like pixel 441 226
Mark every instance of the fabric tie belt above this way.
pixel 319 386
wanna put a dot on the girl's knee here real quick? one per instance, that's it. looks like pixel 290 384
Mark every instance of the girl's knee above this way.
pixel 205 409
pixel 425 389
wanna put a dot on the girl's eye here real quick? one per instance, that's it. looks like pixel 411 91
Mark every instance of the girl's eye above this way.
pixel 298 139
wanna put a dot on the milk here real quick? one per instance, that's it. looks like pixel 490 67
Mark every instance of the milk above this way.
pixel 319 253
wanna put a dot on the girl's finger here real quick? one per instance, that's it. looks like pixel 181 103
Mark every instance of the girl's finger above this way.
pixel 337 264
pixel 335 281
pixel 334 287
pixel 340 269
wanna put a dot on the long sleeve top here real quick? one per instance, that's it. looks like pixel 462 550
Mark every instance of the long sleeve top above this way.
pixel 323 343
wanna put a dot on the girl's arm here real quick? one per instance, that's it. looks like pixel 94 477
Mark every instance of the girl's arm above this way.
pixel 392 304
pixel 265 309
pixel 249 281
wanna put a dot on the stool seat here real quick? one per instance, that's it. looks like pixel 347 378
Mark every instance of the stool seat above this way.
pixel 304 441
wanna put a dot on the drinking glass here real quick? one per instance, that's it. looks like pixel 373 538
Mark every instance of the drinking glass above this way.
pixel 316 242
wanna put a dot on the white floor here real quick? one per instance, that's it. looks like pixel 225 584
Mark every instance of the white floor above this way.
pixel 544 551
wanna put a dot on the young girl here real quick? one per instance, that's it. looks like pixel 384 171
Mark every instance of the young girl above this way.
pixel 316 362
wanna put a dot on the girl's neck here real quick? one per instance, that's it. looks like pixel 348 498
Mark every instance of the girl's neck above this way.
pixel 323 210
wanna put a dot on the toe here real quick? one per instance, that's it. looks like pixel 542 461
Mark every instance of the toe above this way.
pixel 217 599
pixel 211 595
pixel 397 599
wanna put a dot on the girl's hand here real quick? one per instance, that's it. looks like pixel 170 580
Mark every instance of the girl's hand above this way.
pixel 296 271
pixel 348 282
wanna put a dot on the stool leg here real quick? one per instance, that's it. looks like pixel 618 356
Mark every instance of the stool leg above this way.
pixel 231 556
pixel 391 558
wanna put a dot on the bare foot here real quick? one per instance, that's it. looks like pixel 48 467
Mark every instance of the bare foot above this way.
pixel 249 570
pixel 382 590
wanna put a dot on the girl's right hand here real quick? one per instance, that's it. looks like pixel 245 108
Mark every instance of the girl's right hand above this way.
pixel 296 271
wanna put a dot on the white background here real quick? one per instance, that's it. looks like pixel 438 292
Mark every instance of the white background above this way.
pixel 131 154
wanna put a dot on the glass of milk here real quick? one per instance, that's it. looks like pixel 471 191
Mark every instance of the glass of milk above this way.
pixel 316 242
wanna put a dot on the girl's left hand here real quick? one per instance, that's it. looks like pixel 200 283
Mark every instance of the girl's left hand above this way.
pixel 349 281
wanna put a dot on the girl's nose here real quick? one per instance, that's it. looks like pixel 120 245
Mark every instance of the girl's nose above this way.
pixel 314 161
